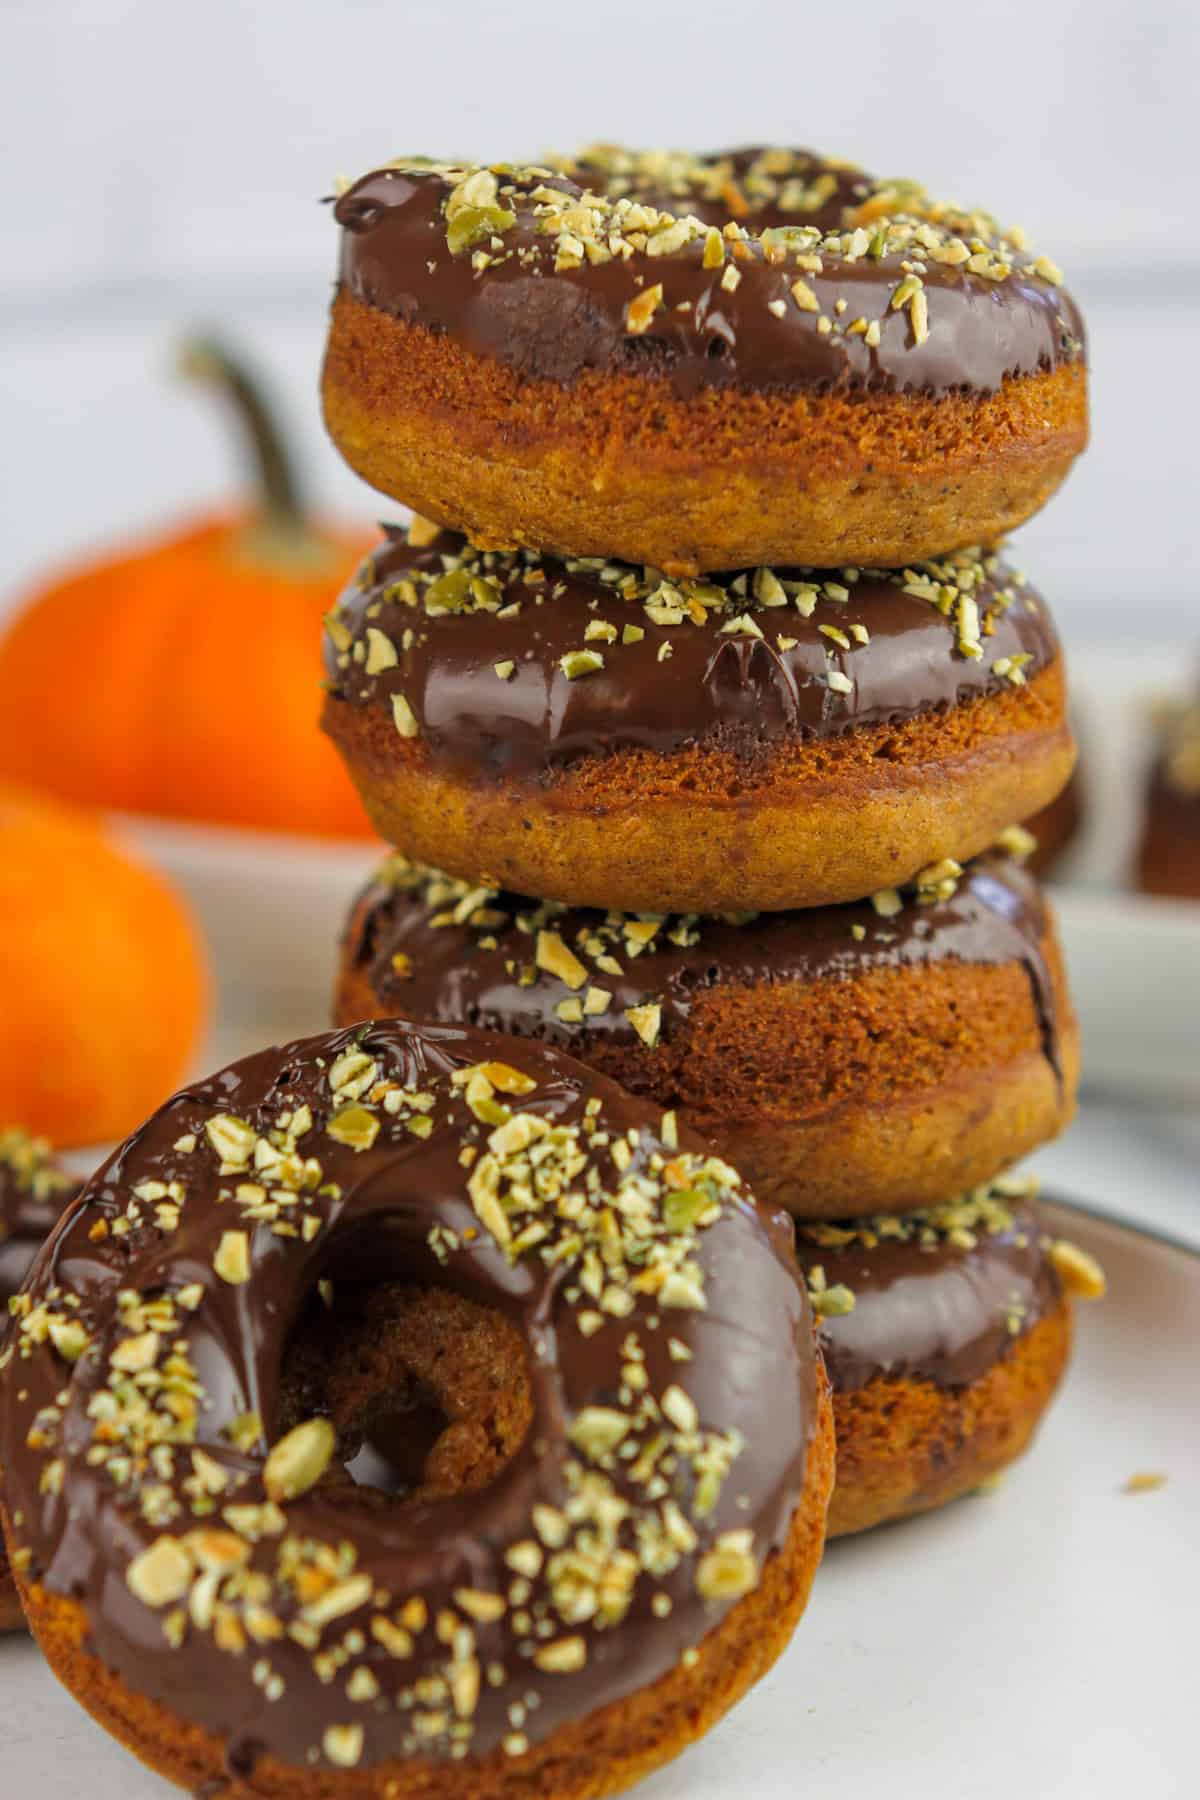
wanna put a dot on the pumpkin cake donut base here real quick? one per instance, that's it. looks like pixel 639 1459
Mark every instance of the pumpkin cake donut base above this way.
pixel 699 362
pixel 946 1333
pixel 809 825
pixel 843 1058
pixel 521 1612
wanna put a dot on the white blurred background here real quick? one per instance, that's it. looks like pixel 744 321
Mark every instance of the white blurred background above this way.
pixel 164 165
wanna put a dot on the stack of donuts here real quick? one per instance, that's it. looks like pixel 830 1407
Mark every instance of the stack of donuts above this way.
pixel 704 717
pixel 447 1405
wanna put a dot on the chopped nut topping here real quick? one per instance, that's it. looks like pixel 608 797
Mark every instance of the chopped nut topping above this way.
pixel 577 663
pixel 1145 1481
pixel 1079 1272
pixel 405 717
pixel 828 1302
pixel 484 1608
pixel 561 1656
pixel 30 1164
pixel 343 1745
pixel 553 956
pixel 354 1126
pixel 160 1575
pixel 298 1461
pixel 728 1570
pixel 640 312
pixel 1017 842
pixel 381 652
pixel 598 1430
pixel 646 1021
pixel 232 1260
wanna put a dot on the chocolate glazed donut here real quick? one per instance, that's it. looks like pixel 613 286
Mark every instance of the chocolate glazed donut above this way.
pixel 869 1057
pixel 554 1610
pixel 946 1333
pixel 699 362
pixel 774 739
pixel 1168 853
pixel 33 1192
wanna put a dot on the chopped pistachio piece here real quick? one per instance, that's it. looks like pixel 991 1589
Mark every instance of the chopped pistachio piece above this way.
pixel 298 1461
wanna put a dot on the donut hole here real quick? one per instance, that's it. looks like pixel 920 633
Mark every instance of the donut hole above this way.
pixel 398 1435
pixel 429 1391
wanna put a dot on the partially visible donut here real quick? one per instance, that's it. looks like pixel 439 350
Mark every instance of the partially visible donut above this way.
pixel 1168 850
pixel 860 1058
pixel 699 362
pixel 33 1192
pixel 1056 828
pixel 612 1410
pixel 774 739
pixel 945 1333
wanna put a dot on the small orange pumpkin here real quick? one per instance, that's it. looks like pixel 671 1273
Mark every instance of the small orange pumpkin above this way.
pixel 102 982
pixel 183 678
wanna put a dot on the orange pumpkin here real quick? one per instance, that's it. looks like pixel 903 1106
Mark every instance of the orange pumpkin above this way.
pixel 101 977
pixel 183 678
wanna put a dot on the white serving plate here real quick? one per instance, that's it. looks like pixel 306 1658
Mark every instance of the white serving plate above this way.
pixel 1040 1641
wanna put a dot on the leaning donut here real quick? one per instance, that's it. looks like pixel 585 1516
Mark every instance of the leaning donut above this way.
pixel 623 1498
pixel 704 362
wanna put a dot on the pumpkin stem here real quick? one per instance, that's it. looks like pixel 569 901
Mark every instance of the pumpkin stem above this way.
pixel 281 534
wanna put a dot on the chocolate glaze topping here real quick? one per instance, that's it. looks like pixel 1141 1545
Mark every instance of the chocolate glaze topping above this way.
pixel 670 1361
pixel 548 274
pixel 33 1192
pixel 938 1296
pixel 509 664
pixel 435 948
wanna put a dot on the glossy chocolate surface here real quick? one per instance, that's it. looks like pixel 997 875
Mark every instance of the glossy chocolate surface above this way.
pixel 433 948
pixel 928 1306
pixel 307 1637
pixel 711 662
pixel 549 320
